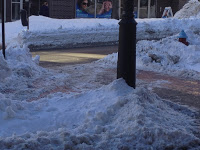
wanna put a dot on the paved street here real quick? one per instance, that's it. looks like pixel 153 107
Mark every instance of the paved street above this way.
pixel 179 90
pixel 53 58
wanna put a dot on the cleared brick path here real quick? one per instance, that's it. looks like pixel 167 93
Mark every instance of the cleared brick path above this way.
pixel 183 91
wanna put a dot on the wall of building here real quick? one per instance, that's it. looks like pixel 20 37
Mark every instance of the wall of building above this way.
pixel 115 9
pixel 62 9
pixel 35 7
pixel 65 9
pixel 0 10
pixel 182 3
pixel 174 4
pixel 8 11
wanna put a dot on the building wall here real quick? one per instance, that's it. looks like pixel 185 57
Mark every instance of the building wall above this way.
pixel 8 11
pixel 174 4
pixel 158 6
pixel 115 9
pixel 62 9
pixel 35 7
pixel 65 9
pixel 0 10
pixel 182 3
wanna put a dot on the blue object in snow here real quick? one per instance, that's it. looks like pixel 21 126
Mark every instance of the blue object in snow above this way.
pixel 182 34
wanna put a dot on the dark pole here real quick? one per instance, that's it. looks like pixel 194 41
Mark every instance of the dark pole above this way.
pixel 126 65
pixel 28 3
pixel 3 30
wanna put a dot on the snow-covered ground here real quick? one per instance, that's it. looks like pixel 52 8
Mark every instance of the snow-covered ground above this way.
pixel 84 106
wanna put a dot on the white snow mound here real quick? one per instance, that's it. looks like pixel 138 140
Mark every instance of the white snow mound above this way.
pixel 191 9
pixel 132 119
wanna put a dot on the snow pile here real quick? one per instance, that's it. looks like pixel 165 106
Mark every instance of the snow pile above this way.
pixel 191 9
pixel 115 117
pixel 22 78
pixel 17 66
pixel 57 28
pixel 18 63
pixel 62 34
pixel 170 56
pixel 47 33
pixel 97 32
pixel 167 55
pixel 110 61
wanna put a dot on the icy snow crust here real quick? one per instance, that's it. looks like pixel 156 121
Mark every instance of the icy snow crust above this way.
pixel 86 113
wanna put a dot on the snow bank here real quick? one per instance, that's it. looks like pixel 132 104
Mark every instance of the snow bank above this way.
pixel 62 33
pixel 170 56
pixel 191 9
pixel 115 117
pixel 19 63
pixel 17 67
pixel 21 76
pixel 96 32
pixel 47 33
pixel 167 55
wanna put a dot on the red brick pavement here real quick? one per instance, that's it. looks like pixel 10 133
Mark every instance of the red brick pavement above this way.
pixel 184 91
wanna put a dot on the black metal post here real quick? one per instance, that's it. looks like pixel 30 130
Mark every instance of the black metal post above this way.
pixel 126 65
pixel 28 7
pixel 3 29
pixel 28 15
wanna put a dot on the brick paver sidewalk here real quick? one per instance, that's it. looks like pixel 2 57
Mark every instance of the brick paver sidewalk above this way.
pixel 183 91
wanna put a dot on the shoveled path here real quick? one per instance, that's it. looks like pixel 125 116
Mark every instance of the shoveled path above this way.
pixel 179 90
pixel 63 57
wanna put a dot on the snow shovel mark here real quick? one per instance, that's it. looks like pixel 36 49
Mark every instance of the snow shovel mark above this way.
pixel 52 91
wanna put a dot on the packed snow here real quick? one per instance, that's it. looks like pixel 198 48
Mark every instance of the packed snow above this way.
pixel 84 106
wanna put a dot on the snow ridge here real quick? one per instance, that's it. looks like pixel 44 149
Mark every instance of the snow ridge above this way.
pixel 139 120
